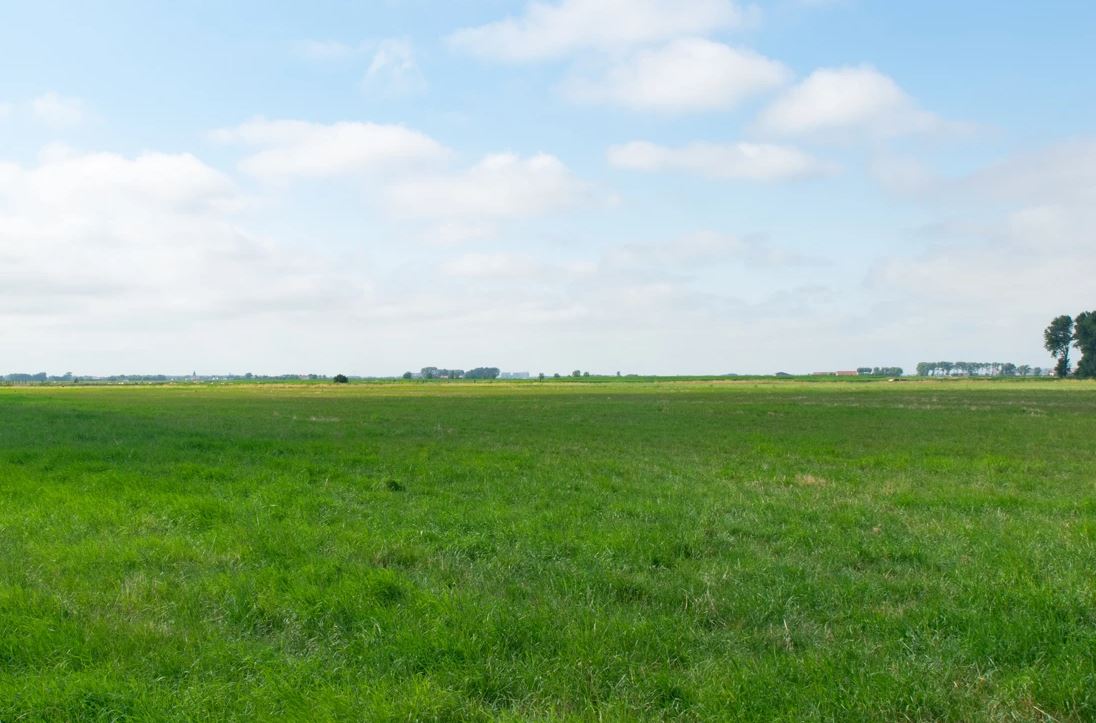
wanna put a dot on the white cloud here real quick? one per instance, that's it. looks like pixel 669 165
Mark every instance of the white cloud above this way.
pixel 1035 262
pixel 453 233
pixel 394 68
pixel 502 185
pixel 5 110
pixel 848 100
pixel 552 30
pixel 299 149
pixel 84 182
pixel 1063 173
pixel 145 262
pixel 688 74
pixel 1016 252
pixel 58 111
pixel 498 265
pixel 904 175
pixel 104 241
pixel 746 161
pixel 704 249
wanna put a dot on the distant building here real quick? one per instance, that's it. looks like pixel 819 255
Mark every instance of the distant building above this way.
pixel 514 375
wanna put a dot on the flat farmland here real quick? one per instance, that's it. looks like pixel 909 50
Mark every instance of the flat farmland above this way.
pixel 549 551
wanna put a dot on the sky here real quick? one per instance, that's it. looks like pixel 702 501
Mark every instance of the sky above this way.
pixel 643 186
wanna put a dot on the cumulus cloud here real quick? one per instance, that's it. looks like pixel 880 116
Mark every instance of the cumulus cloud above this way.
pixel 109 240
pixel 82 183
pixel 453 233
pixel 150 256
pixel 687 74
pixel 846 100
pixel 1062 173
pixel 394 68
pixel 1015 251
pixel 742 161
pixel 707 248
pixel 903 175
pixel 552 30
pixel 501 185
pixel 995 284
pixel 58 111
pixel 497 265
pixel 298 149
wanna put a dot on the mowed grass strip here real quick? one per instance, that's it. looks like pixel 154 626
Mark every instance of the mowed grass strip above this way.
pixel 540 551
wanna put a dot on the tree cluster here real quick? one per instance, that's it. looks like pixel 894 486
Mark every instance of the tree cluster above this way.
pixel 438 373
pixel 39 377
pixel 975 369
pixel 879 371
pixel 482 373
pixel 1066 332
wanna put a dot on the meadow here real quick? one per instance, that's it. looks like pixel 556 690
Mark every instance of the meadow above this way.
pixel 742 550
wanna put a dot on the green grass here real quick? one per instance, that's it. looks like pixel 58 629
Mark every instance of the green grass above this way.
pixel 540 551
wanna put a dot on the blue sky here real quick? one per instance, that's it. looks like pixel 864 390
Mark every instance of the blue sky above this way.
pixel 639 185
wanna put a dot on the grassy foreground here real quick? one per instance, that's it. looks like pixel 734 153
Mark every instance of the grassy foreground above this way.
pixel 546 551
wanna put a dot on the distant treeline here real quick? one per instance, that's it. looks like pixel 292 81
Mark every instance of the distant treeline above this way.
pixel 438 373
pixel 39 377
pixel 70 378
pixel 977 369
pixel 879 371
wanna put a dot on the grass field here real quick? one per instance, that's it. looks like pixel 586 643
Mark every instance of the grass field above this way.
pixel 540 551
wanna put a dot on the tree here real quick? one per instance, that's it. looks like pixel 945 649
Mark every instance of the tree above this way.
pixel 408 375
pixel 482 373
pixel 576 373
pixel 1084 336
pixel 540 377
pixel 1057 339
pixel 341 379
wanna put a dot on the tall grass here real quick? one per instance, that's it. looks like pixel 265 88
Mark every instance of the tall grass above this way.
pixel 607 551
